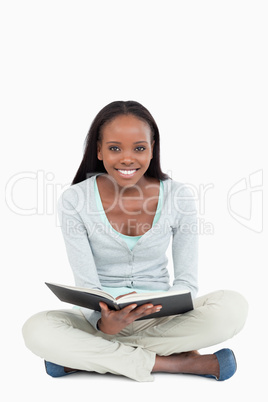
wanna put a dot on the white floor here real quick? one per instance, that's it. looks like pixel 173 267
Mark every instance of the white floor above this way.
pixel 25 377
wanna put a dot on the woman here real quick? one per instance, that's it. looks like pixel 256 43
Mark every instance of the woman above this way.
pixel 117 220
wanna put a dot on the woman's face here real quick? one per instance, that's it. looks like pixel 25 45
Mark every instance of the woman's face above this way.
pixel 126 149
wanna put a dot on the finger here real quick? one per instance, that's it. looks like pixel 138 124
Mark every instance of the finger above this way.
pixel 126 310
pixel 146 309
pixel 104 308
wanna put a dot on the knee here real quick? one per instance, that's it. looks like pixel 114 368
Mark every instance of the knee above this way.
pixel 33 329
pixel 233 311
pixel 237 306
pixel 225 312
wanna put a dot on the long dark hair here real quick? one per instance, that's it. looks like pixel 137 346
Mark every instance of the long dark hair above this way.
pixel 91 165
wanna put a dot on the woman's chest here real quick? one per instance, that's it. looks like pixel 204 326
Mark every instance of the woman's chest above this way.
pixel 132 220
pixel 131 214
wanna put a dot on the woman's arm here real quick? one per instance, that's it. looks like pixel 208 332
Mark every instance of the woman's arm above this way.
pixel 185 242
pixel 78 248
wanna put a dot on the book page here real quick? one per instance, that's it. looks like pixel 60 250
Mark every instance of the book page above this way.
pixel 144 296
pixel 97 292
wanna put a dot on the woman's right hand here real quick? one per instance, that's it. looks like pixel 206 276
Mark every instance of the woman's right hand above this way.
pixel 112 322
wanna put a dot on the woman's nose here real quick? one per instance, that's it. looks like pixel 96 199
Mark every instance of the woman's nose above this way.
pixel 127 158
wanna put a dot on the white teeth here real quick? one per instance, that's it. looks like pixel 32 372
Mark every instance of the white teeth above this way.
pixel 127 171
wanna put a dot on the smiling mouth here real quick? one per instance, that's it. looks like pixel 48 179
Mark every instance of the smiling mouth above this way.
pixel 127 172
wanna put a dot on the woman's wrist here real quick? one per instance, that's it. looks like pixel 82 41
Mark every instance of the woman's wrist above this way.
pixel 98 324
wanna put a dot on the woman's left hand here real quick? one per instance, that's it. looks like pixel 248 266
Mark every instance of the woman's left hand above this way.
pixel 112 322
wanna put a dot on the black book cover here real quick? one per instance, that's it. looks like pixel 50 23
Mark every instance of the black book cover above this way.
pixel 171 305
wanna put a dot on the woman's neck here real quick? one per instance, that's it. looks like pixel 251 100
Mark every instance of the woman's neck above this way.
pixel 113 189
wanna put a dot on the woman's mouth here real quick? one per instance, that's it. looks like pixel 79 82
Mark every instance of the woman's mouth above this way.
pixel 127 173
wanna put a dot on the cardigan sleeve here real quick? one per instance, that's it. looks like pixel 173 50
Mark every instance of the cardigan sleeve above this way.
pixel 185 242
pixel 78 248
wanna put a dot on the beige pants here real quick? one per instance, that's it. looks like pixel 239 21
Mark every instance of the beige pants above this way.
pixel 66 338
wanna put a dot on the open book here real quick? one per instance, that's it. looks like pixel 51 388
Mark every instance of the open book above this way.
pixel 172 302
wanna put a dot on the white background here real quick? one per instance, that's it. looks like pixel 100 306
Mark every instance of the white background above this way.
pixel 200 67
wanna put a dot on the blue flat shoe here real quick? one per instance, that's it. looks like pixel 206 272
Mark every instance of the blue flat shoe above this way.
pixel 54 370
pixel 227 363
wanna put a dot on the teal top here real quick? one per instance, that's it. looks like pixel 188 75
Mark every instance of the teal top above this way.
pixel 130 240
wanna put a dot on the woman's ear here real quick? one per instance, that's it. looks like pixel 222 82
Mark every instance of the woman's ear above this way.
pixel 99 152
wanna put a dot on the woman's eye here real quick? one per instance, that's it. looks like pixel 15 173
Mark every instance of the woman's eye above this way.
pixel 113 148
pixel 141 148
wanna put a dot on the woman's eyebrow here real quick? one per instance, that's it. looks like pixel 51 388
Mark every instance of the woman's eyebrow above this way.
pixel 117 142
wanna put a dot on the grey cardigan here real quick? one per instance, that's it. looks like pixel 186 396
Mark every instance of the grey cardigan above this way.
pixel 100 257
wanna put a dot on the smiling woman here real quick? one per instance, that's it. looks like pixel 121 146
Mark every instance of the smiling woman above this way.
pixel 120 186
pixel 92 161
